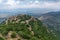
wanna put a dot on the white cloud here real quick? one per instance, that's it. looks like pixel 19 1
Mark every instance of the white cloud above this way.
pixel 11 4
pixel 0 1
pixel 36 2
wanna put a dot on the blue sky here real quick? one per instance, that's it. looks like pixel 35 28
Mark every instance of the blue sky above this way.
pixel 49 5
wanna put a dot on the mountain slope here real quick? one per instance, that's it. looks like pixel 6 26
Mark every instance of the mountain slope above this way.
pixel 52 20
pixel 25 27
pixel 2 19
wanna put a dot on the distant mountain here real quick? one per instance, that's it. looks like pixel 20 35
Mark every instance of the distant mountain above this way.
pixel 36 12
pixel 52 20
pixel 25 27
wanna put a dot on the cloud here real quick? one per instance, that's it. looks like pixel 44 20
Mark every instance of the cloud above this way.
pixel 0 1
pixel 13 4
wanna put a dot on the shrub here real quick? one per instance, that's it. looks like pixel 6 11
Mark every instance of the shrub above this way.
pixel 13 35
pixel 1 38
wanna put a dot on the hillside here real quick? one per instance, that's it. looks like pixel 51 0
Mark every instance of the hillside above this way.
pixel 25 27
pixel 52 20
pixel 2 19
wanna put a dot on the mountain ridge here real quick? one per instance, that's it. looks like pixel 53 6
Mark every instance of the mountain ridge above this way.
pixel 52 20
pixel 25 27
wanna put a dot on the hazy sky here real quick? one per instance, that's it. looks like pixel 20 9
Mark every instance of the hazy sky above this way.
pixel 40 4
pixel 12 4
